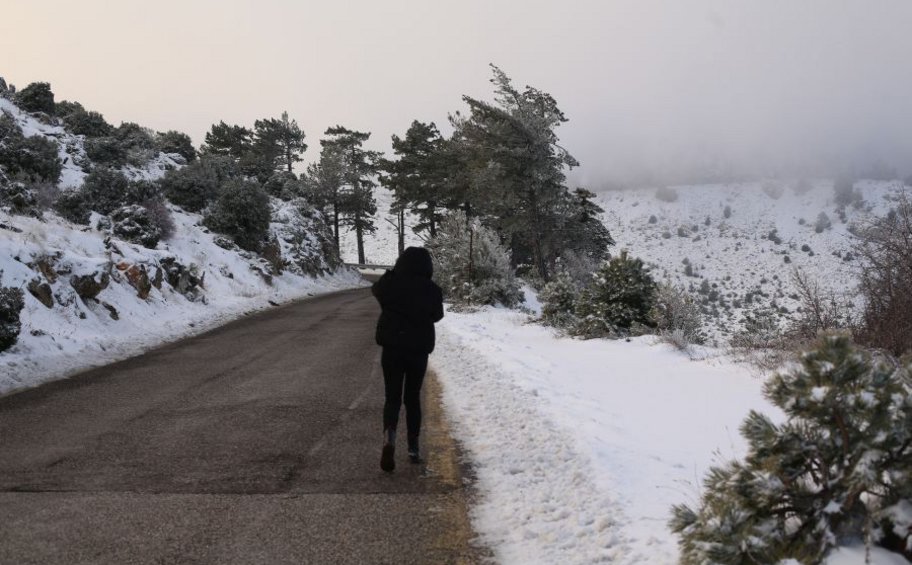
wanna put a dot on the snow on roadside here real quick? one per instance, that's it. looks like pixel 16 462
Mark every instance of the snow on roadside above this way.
pixel 581 447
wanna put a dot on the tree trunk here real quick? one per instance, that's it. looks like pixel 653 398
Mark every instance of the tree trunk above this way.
pixel 336 229
pixel 401 231
pixel 432 225
pixel 359 236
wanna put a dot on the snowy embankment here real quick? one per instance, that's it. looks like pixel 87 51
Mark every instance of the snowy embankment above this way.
pixel 189 283
pixel 582 447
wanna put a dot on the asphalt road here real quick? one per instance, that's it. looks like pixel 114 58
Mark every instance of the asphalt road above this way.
pixel 257 442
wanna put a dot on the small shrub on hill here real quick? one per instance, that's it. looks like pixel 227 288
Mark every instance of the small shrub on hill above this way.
pixel 621 294
pixel 666 194
pixel 198 184
pixel 36 97
pixel 176 142
pixel 677 316
pixel 31 159
pixel 242 212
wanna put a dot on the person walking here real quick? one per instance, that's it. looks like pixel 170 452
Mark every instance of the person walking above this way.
pixel 410 304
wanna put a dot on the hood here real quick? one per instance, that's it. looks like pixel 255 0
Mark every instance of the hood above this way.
pixel 415 262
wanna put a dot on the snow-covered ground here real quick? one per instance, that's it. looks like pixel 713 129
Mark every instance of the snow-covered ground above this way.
pixel 582 447
pixel 735 255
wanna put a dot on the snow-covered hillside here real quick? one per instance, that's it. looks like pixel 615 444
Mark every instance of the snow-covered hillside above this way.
pixel 741 242
pixel 381 248
pixel 91 298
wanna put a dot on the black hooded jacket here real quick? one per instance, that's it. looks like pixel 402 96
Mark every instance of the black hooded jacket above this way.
pixel 410 303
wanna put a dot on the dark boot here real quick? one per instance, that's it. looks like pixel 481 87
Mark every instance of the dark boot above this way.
pixel 413 451
pixel 388 456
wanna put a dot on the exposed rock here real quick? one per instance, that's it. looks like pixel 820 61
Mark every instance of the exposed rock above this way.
pixel 45 264
pixel 89 286
pixel 182 279
pixel 42 292
pixel 111 310
pixel 138 277
pixel 157 279
pixel 224 242
pixel 272 252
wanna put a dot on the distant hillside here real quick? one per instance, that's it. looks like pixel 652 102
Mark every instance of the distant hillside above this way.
pixel 735 246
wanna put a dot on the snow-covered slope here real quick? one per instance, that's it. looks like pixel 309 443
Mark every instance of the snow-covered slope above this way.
pixel 71 150
pixel 693 240
pixel 380 248
pixel 91 298
pixel 74 333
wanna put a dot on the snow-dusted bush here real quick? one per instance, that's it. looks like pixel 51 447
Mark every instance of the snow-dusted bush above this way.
pixel 36 97
pixel 104 190
pixel 242 212
pixel 32 158
pixel 886 279
pixel 12 301
pixel 621 294
pixel 773 190
pixel 677 315
pixel 666 194
pixel 844 192
pixel 284 185
pixel 176 142
pixel 134 223
pixel 822 223
pixel 558 299
pixel 198 184
pixel 837 471
pixel 304 238
pixel 82 122
pixel 470 264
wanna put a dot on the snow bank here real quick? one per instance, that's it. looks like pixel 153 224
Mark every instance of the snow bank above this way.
pixel 581 447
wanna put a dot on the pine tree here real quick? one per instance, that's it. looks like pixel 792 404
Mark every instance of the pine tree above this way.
pixel 324 181
pixel 517 167
pixel 359 167
pixel 279 142
pixel 417 177
pixel 229 140
pixel 830 475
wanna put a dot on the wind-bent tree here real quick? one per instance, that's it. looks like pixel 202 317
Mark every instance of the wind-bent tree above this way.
pixel 516 168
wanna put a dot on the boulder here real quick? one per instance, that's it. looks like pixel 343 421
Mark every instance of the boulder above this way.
pixel 138 278
pixel 89 286
pixel 42 292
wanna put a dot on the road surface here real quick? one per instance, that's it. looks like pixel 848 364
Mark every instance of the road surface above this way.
pixel 257 442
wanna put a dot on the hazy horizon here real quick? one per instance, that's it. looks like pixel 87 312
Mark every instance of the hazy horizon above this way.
pixel 651 88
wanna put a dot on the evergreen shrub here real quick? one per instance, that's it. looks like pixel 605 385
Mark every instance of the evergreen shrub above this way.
pixel 837 471
pixel 621 293
pixel 471 265
pixel 242 212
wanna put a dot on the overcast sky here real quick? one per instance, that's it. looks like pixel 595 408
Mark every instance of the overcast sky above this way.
pixel 647 85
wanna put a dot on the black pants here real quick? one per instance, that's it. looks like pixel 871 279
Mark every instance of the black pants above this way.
pixel 403 373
